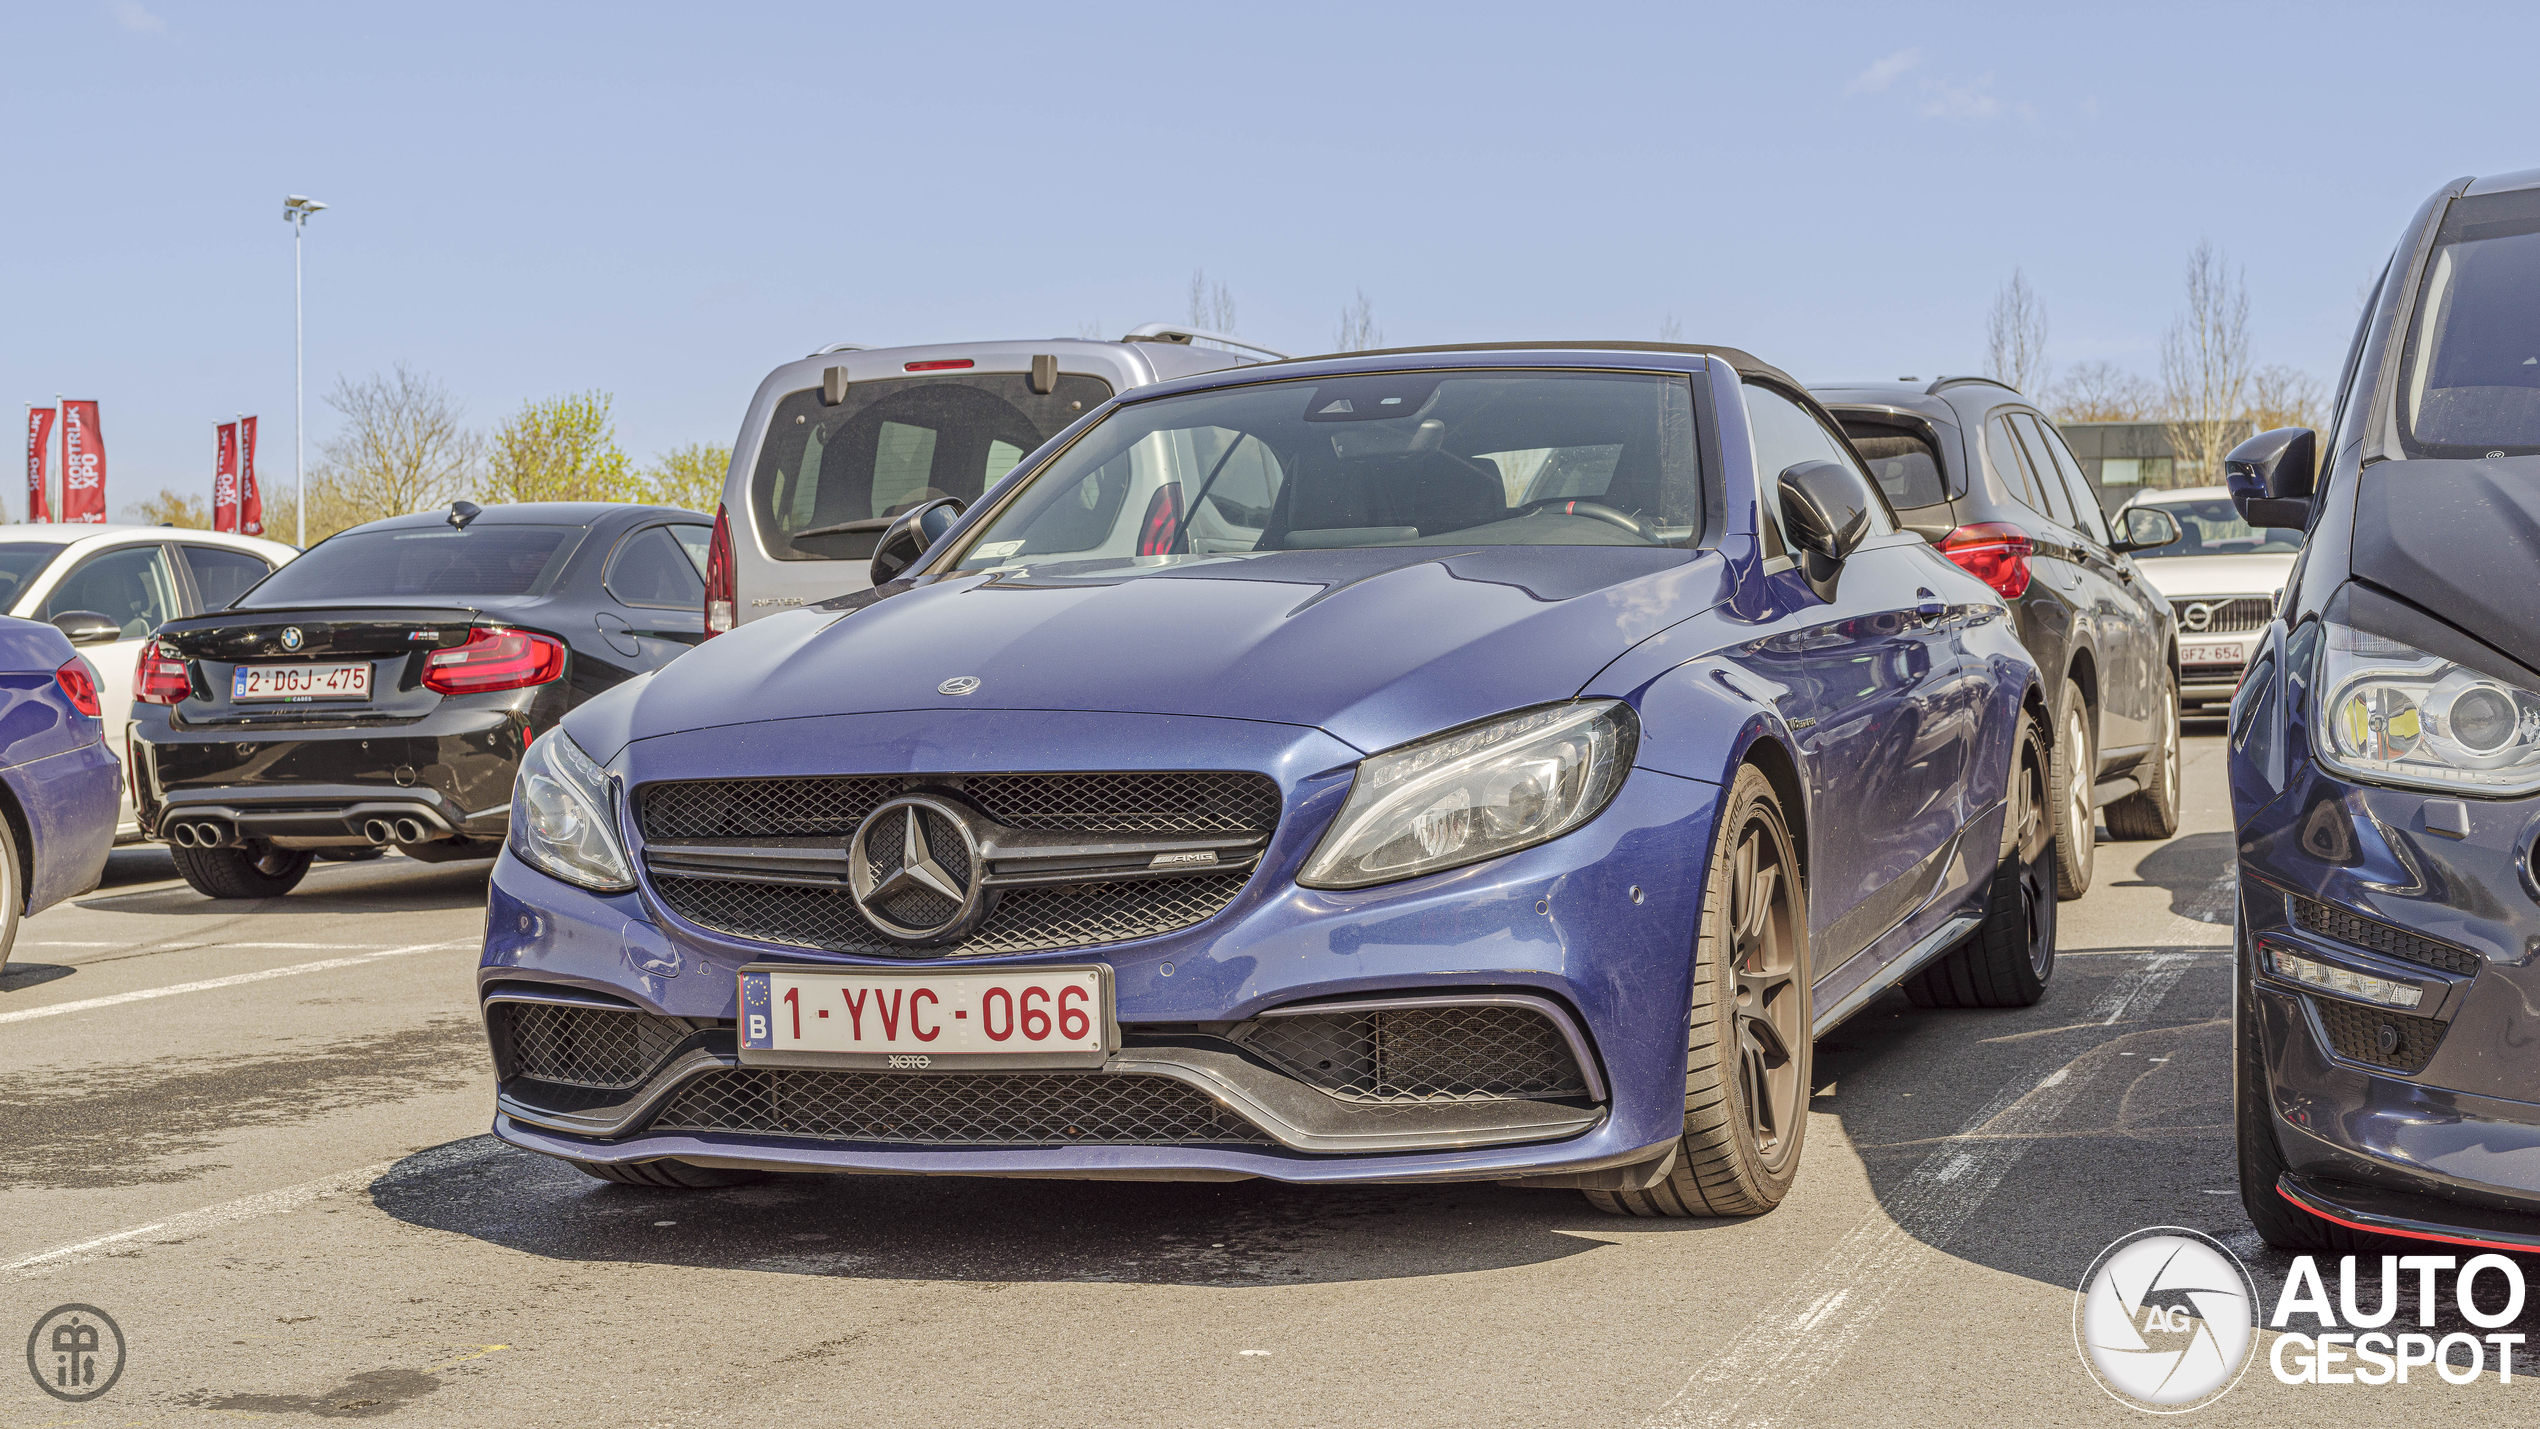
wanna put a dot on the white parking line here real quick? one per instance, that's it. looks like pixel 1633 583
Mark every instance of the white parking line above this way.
pixel 1783 1352
pixel 264 1203
pixel 233 980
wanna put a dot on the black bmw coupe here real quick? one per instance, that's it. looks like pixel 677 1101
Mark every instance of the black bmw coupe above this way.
pixel 380 690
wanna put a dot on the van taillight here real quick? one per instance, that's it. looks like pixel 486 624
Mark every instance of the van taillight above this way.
pixel 493 659
pixel 1160 533
pixel 1994 552
pixel 79 686
pixel 720 599
pixel 160 677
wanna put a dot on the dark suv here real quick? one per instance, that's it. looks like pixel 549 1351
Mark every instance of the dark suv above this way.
pixel 1975 470
pixel 2385 764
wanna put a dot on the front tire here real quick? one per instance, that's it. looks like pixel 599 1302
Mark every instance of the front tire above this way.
pixel 2076 765
pixel 2152 811
pixel 242 872
pixel 2009 960
pixel 1748 1045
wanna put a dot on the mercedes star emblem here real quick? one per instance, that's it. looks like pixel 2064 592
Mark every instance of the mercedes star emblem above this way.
pixel 913 868
pixel 958 685
pixel 291 637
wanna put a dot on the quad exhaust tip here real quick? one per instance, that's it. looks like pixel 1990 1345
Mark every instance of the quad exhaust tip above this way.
pixel 203 834
pixel 378 832
pixel 410 831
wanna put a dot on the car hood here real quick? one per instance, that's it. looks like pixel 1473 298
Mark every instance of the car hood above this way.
pixel 1375 646
pixel 2460 540
pixel 2188 577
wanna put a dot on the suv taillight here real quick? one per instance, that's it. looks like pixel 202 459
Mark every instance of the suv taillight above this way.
pixel 79 686
pixel 493 659
pixel 1994 552
pixel 160 677
pixel 719 595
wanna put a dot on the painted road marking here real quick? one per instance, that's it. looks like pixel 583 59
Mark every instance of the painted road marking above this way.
pixel 233 980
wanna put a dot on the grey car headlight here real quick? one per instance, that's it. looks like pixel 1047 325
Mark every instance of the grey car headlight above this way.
pixel 563 820
pixel 2392 714
pixel 1476 793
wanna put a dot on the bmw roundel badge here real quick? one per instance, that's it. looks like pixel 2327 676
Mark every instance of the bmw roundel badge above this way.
pixel 291 637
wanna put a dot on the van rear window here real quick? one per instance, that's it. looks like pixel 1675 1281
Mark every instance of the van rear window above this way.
pixel 1902 462
pixel 830 478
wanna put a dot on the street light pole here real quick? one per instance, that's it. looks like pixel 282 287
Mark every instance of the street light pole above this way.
pixel 295 211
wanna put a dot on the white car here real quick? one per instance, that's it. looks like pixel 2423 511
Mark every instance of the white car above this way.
pixel 2221 578
pixel 108 587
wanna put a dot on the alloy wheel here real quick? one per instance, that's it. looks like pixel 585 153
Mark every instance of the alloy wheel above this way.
pixel 1764 959
pixel 2033 846
pixel 2172 761
pixel 2077 797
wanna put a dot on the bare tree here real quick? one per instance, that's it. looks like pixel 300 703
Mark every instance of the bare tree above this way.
pixel 1212 305
pixel 402 447
pixel 2205 367
pixel 1358 331
pixel 2281 396
pixel 2015 336
pixel 1670 330
pixel 2102 392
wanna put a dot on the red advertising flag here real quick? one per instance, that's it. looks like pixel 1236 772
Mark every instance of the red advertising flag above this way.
pixel 225 478
pixel 251 502
pixel 39 441
pixel 83 464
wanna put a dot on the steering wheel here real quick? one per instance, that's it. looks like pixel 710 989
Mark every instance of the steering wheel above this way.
pixel 1596 510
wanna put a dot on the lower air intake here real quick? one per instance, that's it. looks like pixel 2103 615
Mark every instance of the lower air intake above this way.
pixel 956 1109
pixel 1422 1054
pixel 2377 1037
pixel 581 1046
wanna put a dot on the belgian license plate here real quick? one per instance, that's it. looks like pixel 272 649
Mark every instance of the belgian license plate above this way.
pixel 963 1019
pixel 2213 652
pixel 300 682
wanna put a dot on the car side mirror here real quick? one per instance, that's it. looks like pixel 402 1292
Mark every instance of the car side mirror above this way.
pixel 2270 477
pixel 87 627
pixel 1825 512
pixel 911 533
pixel 2147 528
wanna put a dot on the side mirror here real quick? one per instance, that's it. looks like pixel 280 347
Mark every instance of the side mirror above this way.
pixel 2270 477
pixel 1826 512
pixel 2147 528
pixel 87 627
pixel 911 533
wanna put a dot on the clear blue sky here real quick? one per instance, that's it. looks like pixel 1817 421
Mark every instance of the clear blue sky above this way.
pixel 664 202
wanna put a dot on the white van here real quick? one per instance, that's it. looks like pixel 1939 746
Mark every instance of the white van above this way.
pixel 839 443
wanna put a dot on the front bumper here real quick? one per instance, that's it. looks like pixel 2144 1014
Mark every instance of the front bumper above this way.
pixel 1556 924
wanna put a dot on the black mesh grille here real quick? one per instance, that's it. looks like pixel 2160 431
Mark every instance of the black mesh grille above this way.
pixel 2377 1036
pixel 955 1109
pixel 2224 617
pixel 1201 802
pixel 1026 919
pixel 584 1046
pixel 1422 1054
pixel 2359 931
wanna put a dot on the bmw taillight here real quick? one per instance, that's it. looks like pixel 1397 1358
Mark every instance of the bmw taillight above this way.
pixel 79 686
pixel 720 598
pixel 160 677
pixel 493 659
pixel 1160 533
pixel 1994 552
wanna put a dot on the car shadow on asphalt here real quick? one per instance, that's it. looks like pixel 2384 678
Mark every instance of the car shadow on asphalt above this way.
pixel 986 1229
pixel 2188 868
pixel 331 888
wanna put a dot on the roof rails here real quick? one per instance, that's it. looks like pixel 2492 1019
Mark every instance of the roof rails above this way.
pixel 1185 336
pixel 1941 384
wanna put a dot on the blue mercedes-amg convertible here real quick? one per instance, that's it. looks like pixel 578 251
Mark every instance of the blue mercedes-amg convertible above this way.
pixel 1481 764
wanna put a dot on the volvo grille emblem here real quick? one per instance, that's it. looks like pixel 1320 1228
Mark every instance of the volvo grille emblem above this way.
pixel 291 637
pixel 2197 616
pixel 913 867
pixel 958 685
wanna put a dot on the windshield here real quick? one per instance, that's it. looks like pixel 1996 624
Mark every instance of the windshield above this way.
pixel 2213 528
pixel 427 563
pixel 1394 459
pixel 829 479
pixel 20 563
pixel 2470 385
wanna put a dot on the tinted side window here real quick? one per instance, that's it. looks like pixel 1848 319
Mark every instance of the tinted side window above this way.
pixel 1787 434
pixel 1901 461
pixel 134 587
pixel 2002 453
pixel 2093 518
pixel 2041 468
pixel 221 576
pixel 651 567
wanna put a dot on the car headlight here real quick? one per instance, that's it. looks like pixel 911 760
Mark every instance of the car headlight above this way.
pixel 562 816
pixel 1476 793
pixel 2393 714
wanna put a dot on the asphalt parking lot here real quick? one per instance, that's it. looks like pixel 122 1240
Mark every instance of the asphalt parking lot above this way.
pixel 255 1136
